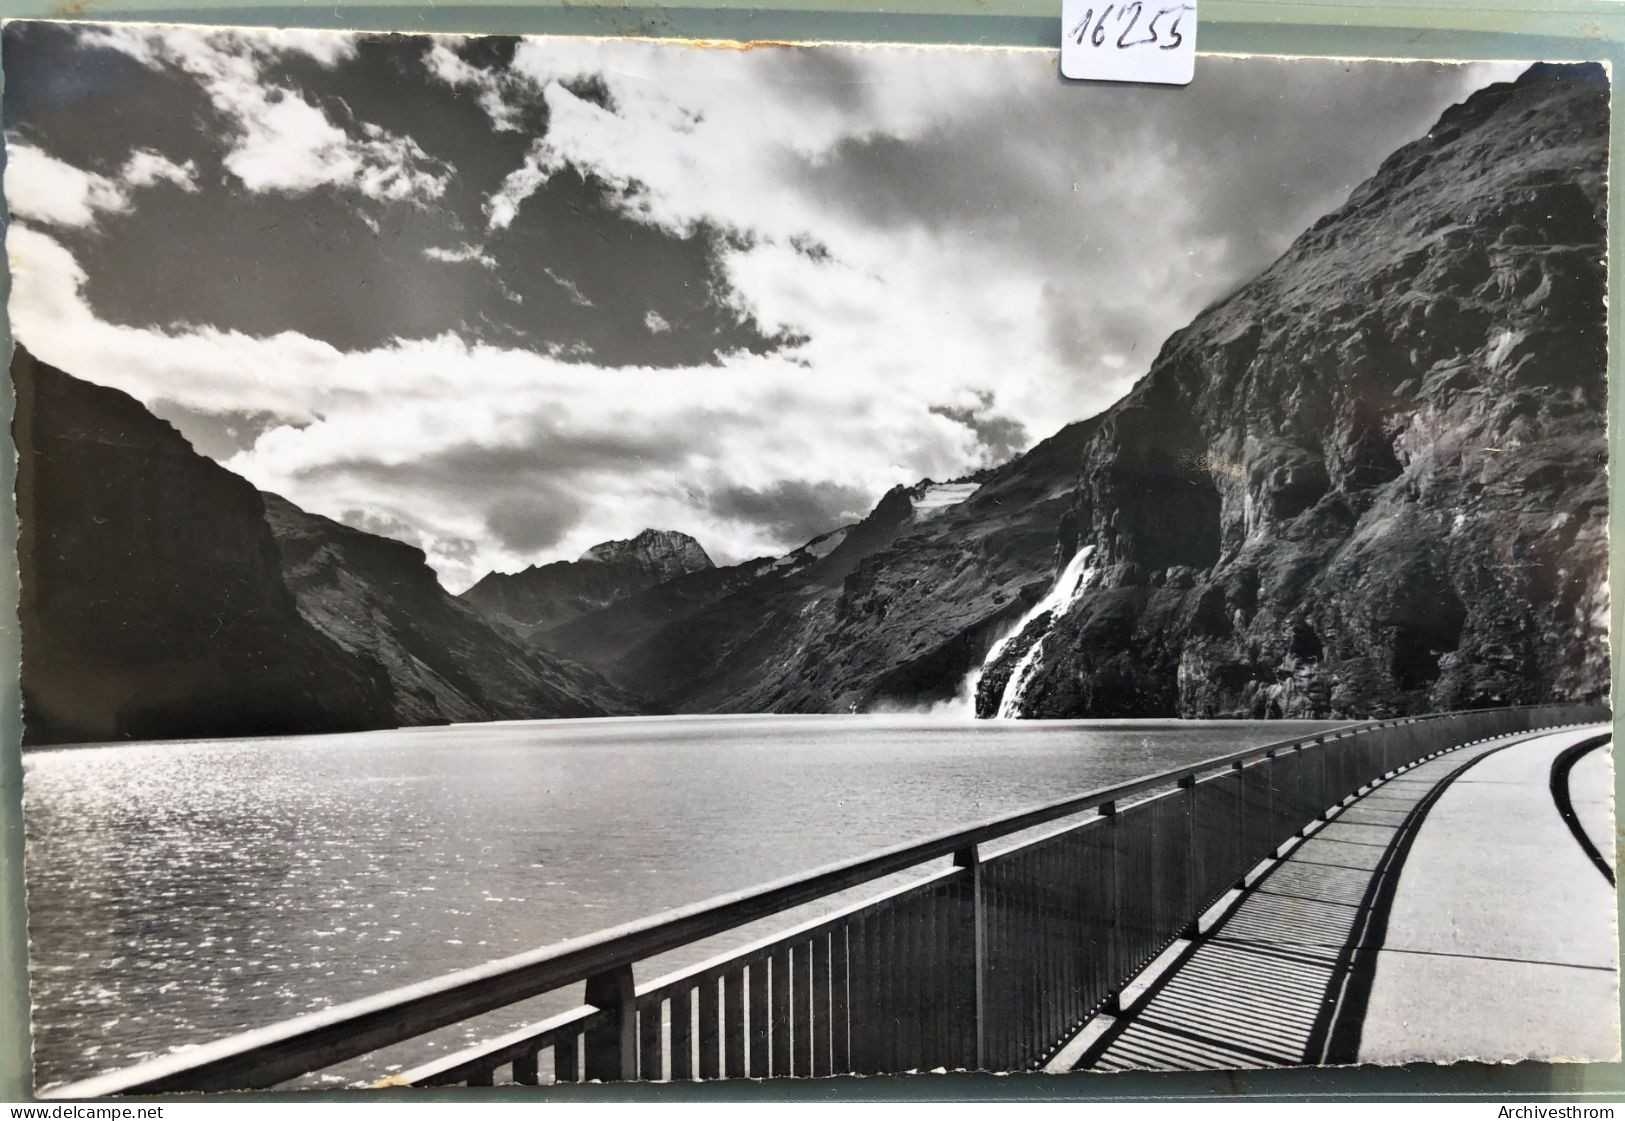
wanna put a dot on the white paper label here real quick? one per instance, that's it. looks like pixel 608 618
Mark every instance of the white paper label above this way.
pixel 1141 41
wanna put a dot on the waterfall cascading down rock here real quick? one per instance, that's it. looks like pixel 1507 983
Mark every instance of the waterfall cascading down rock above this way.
pixel 1013 660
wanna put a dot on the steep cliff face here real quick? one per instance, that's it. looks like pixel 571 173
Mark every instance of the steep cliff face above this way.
pixel 152 602
pixel 540 598
pixel 379 600
pixel 1373 481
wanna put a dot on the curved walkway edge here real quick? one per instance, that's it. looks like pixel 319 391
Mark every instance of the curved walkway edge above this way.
pixel 1448 913
pixel 1501 941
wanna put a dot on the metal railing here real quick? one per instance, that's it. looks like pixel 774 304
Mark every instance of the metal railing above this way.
pixel 989 963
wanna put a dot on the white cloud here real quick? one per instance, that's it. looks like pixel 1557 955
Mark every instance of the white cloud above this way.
pixel 327 47
pixel 519 184
pixel 283 142
pixel 489 86
pixel 290 145
pixel 744 424
pixel 475 253
pixel 577 296
pixel 146 168
pixel 42 188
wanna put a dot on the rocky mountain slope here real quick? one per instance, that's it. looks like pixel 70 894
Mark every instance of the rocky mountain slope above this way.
pixel 543 597
pixel 1374 480
pixel 164 597
pixel 378 599
pixel 893 610
pixel 605 637
pixel 1371 481
pixel 152 600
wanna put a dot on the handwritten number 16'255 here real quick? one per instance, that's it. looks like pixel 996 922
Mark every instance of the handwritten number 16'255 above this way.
pixel 1166 38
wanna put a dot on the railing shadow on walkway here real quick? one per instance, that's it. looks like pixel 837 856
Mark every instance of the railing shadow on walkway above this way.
pixel 1270 985
pixel 991 963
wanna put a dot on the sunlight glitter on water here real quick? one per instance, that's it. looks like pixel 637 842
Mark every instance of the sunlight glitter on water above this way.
pixel 179 892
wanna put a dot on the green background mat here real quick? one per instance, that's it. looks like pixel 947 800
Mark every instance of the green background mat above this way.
pixel 1452 29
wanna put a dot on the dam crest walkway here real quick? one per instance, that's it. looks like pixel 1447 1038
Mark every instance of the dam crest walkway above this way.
pixel 1463 908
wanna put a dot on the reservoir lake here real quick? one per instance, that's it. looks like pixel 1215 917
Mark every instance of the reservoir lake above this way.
pixel 186 890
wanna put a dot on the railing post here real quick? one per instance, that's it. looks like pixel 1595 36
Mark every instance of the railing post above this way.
pixel 612 1045
pixel 1114 939
pixel 1322 763
pixel 971 860
pixel 1305 800
pixel 1193 925
pixel 525 1071
pixel 1274 827
pixel 1240 769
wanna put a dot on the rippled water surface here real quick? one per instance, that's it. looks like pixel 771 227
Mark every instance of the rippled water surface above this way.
pixel 183 891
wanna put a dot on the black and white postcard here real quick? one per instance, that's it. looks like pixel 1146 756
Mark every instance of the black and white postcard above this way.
pixel 565 559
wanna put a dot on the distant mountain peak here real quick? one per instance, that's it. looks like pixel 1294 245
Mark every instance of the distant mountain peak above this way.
pixel 663 550
pixel 544 597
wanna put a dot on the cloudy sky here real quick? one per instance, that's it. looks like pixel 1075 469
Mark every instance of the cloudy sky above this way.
pixel 505 298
